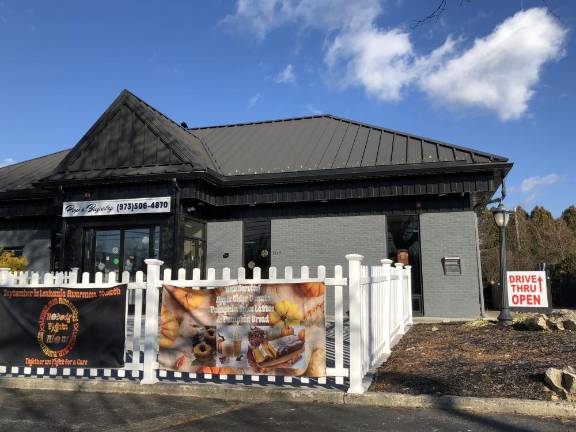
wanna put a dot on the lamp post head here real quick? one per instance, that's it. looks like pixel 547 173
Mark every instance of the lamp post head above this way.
pixel 501 215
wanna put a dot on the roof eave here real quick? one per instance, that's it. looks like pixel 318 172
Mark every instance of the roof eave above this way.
pixel 365 172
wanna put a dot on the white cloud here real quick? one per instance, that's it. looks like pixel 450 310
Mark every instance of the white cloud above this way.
pixel 286 76
pixel 253 100
pixel 499 72
pixel 7 161
pixel 262 16
pixel 377 60
pixel 532 183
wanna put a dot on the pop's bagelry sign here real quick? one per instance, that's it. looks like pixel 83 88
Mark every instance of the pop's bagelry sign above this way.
pixel 271 329
pixel 62 327
pixel 527 289
pixel 116 207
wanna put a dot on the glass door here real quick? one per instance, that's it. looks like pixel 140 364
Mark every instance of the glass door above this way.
pixel 120 249
pixel 404 246
pixel 257 243
pixel 136 249
pixel 107 251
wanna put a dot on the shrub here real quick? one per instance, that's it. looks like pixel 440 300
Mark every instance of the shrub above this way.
pixel 14 263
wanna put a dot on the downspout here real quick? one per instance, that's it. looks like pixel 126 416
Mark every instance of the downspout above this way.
pixel 63 234
pixel 177 261
pixel 479 260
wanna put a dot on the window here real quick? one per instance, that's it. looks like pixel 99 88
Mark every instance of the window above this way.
pixel 120 249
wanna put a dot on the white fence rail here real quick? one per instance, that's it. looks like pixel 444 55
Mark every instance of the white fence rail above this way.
pixel 379 311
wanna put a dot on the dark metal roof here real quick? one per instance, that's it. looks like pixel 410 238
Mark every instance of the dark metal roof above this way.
pixel 324 142
pixel 133 140
pixel 21 176
pixel 130 139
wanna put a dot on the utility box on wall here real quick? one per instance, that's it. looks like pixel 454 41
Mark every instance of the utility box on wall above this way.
pixel 452 266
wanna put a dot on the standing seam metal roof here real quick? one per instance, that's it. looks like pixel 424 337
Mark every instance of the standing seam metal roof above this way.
pixel 295 144
pixel 300 144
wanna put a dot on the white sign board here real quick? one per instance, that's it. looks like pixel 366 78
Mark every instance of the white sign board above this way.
pixel 527 289
pixel 116 207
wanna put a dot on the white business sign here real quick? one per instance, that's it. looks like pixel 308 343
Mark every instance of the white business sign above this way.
pixel 116 207
pixel 527 289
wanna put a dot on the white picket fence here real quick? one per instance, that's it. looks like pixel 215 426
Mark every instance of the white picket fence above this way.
pixel 379 312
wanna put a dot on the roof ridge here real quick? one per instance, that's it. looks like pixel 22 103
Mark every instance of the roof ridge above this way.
pixel 156 110
pixel 261 121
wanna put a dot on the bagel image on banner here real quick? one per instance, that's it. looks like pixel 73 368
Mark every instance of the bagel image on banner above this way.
pixel 246 329
pixel 62 327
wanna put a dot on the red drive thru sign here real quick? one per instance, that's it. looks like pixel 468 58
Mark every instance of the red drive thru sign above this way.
pixel 527 289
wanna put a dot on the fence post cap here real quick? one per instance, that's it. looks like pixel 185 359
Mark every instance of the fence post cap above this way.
pixel 408 267
pixel 398 265
pixel 152 261
pixel 354 257
pixel 386 261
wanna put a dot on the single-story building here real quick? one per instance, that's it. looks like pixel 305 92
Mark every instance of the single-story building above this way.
pixel 296 191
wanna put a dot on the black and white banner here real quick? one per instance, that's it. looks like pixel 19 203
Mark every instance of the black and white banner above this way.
pixel 116 207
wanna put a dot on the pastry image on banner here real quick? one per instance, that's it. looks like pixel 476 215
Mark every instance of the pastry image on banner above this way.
pixel 269 329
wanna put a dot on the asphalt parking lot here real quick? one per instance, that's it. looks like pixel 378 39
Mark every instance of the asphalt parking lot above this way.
pixel 52 411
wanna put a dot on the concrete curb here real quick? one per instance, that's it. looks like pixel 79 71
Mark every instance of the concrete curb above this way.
pixel 526 407
pixel 262 393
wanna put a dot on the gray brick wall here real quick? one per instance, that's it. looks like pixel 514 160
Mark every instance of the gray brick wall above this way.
pixel 326 241
pixel 450 234
pixel 36 246
pixel 224 237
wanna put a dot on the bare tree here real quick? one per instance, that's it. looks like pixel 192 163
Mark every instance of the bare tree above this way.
pixel 442 5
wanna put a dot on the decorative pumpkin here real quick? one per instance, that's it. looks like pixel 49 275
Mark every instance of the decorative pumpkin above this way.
pixel 311 289
pixel 302 335
pixel 169 328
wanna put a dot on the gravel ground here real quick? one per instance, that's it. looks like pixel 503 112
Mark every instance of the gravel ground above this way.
pixel 468 360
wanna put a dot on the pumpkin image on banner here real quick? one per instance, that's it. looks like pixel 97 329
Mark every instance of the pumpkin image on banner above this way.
pixel 169 328
pixel 311 289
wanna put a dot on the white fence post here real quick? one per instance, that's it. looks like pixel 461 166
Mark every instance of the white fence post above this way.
pixel 387 309
pixel 355 323
pixel 409 292
pixel 151 320
pixel 4 275
pixel 73 276
pixel 400 296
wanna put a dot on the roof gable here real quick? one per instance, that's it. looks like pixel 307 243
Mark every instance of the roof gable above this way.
pixel 132 138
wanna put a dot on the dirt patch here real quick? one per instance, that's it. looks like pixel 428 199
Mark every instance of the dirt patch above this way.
pixel 485 361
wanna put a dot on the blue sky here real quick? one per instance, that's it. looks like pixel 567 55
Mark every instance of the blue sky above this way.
pixel 493 75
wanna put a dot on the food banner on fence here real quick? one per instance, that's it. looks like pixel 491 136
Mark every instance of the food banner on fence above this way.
pixel 62 327
pixel 269 329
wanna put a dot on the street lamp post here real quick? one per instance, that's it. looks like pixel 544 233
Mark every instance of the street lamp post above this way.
pixel 501 217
